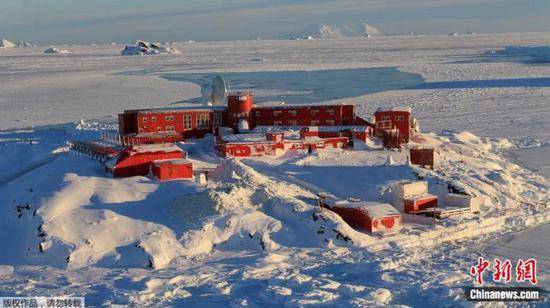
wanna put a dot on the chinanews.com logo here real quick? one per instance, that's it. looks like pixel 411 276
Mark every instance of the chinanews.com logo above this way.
pixel 523 272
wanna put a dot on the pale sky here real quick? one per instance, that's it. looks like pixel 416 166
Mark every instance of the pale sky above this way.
pixel 104 21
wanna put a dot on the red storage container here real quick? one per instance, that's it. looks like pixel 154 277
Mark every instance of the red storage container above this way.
pixel 420 203
pixel 172 169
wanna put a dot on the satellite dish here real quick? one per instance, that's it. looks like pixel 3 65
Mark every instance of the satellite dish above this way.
pixel 219 90
pixel 215 92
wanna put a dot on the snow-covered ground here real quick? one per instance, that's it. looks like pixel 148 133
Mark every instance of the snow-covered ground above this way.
pixel 253 236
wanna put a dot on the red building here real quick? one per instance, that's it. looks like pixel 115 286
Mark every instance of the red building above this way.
pixel 176 124
pixel 394 118
pixel 369 216
pixel 136 160
pixel 170 125
pixel 276 143
pixel 311 115
pixel 172 169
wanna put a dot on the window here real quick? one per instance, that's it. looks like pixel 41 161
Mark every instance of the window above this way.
pixel 385 118
pixel 277 123
pixel 258 114
pixel 203 120
pixel 400 118
pixel 170 128
pixel 330 122
pixel 314 112
pixel 153 119
pixel 187 121
pixel 292 112
pixel 277 112
pixel 330 111
pixel 169 118
pixel 314 122
pixel 159 129
pixel 144 120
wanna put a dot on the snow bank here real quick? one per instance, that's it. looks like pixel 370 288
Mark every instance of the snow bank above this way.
pixel 263 214
pixel 95 233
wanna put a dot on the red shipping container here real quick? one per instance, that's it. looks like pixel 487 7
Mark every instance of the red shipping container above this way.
pixel 422 157
pixel 419 203
pixel 369 216
pixel 172 169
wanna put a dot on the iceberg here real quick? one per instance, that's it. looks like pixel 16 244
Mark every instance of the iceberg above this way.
pixel 147 48
pixel 54 50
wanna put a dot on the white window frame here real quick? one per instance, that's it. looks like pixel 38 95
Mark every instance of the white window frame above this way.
pixel 187 121
pixel 203 120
